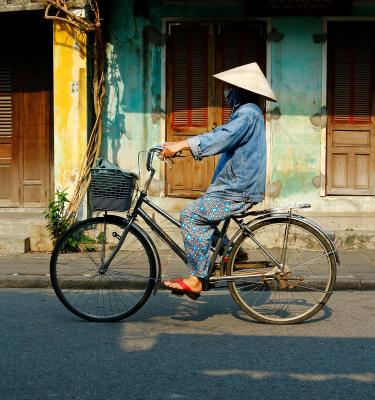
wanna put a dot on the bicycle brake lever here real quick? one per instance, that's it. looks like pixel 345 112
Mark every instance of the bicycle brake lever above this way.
pixel 169 162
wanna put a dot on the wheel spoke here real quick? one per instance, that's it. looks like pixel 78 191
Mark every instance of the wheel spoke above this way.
pixel 309 260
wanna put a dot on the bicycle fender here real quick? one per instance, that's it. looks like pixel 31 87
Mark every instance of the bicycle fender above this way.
pixel 298 217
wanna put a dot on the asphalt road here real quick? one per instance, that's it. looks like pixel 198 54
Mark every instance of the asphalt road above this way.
pixel 179 349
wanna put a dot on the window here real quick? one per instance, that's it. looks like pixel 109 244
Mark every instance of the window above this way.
pixel 351 136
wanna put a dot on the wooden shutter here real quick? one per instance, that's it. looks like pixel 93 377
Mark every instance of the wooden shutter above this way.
pixel 5 97
pixel 350 150
pixel 190 92
pixel 194 98
pixel 189 86
pixel 7 139
pixel 238 44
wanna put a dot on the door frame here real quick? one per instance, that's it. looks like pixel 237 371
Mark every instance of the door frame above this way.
pixel 324 100
pixel 163 84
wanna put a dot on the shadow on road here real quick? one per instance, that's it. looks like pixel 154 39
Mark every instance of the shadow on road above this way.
pixel 175 349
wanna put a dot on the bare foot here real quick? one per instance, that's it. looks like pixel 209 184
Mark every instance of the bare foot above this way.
pixel 192 281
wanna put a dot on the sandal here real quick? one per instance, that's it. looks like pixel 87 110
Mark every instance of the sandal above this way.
pixel 186 289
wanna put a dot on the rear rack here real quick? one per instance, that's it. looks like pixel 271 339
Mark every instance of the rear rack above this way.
pixel 274 210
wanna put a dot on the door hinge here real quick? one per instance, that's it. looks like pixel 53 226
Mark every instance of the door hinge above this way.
pixel 171 25
pixel 319 37
pixel 220 25
pixel 210 26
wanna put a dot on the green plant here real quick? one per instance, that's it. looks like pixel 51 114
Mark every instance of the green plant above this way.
pixel 57 221
pixel 79 242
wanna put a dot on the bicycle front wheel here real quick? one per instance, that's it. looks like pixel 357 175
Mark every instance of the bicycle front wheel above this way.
pixel 285 295
pixel 94 277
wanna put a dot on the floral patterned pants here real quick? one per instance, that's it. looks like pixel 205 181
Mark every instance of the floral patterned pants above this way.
pixel 199 221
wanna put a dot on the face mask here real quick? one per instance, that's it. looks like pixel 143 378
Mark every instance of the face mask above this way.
pixel 230 96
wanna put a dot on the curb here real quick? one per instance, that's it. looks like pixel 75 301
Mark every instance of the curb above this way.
pixel 25 282
pixel 43 282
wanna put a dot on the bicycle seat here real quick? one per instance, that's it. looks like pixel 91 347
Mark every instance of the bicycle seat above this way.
pixel 244 212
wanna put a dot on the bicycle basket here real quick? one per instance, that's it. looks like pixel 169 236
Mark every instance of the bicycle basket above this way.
pixel 111 188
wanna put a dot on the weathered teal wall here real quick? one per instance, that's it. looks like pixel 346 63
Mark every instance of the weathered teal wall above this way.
pixel 295 140
pixel 133 87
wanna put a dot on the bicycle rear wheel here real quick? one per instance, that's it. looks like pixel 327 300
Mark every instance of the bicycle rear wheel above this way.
pixel 95 293
pixel 294 294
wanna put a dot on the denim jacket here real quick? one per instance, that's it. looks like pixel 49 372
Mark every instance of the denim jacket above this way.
pixel 241 171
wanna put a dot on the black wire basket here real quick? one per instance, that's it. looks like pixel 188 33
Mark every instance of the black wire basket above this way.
pixel 112 189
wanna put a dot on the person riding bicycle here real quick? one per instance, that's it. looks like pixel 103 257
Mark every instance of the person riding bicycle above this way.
pixel 239 178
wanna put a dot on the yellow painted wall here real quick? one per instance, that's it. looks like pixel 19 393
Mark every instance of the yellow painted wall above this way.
pixel 70 104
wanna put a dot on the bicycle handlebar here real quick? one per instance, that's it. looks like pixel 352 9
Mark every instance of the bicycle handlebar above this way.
pixel 150 156
pixel 158 150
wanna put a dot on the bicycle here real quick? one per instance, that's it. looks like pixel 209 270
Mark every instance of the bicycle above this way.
pixel 105 268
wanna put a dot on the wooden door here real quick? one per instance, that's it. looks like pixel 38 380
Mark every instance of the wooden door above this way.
pixel 351 130
pixel 195 102
pixel 25 104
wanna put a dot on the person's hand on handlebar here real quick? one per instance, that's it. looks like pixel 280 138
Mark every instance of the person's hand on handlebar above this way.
pixel 171 149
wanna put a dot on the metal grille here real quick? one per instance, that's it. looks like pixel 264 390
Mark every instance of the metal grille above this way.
pixel 111 189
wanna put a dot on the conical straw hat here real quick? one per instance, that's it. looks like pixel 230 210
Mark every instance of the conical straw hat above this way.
pixel 249 77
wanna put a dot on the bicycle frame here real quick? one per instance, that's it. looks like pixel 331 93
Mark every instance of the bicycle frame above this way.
pixel 139 211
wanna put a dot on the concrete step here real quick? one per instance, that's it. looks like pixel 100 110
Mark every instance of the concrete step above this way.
pixel 26 224
pixel 12 244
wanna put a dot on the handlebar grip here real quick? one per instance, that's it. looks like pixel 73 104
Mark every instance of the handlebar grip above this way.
pixel 157 149
pixel 150 156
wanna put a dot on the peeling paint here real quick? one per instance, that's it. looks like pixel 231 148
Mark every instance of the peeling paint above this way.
pixel 275 113
pixel 275 36
pixel 275 189
pixel 70 104
pixel 320 119
pixel 317 181
pixel 156 115
pixel 154 36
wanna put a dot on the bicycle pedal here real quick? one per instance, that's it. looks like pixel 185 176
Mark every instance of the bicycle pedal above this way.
pixel 208 286
pixel 177 293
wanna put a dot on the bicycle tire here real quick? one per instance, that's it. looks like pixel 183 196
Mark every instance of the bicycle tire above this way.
pixel 95 295
pixel 298 294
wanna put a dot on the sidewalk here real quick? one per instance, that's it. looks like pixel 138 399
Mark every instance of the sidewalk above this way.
pixel 31 270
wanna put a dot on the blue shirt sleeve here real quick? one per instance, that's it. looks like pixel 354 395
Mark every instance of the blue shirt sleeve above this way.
pixel 223 138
